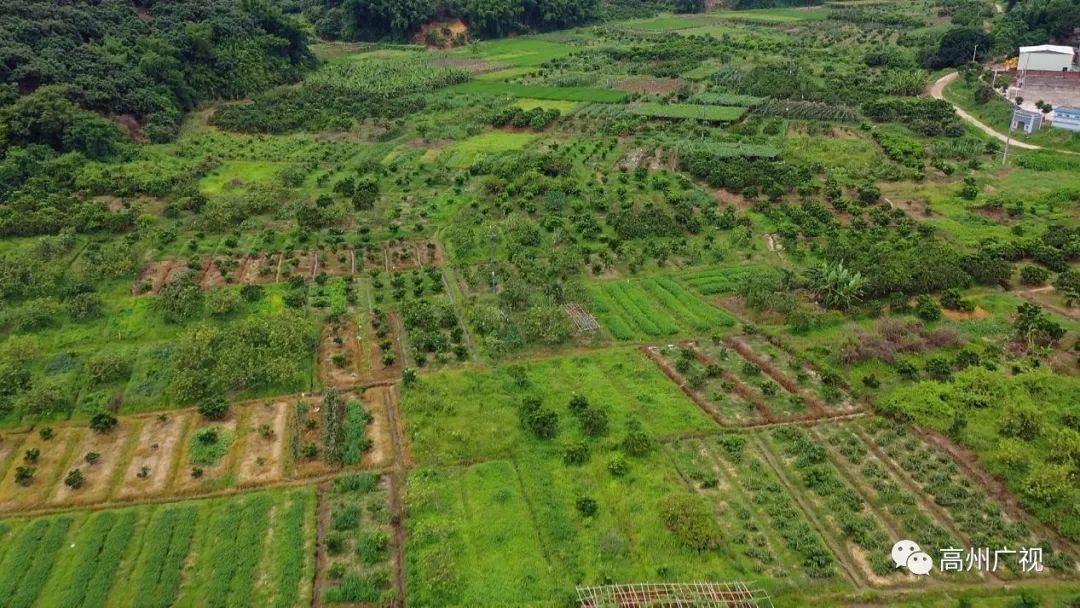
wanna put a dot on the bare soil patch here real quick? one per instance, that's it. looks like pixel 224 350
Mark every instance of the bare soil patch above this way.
pixel 110 448
pixel 960 315
pixel 261 268
pixel 381 454
pixel 335 263
pixel 48 469
pixel 263 452
pixel 151 465
pixel 152 276
pixel 645 84
pixel 339 353
pixel 298 264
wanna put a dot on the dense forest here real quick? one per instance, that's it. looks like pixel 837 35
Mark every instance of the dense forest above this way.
pixel 79 79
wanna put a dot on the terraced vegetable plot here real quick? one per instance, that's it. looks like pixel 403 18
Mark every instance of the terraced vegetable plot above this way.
pixel 983 521
pixel 653 308
pixel 253 550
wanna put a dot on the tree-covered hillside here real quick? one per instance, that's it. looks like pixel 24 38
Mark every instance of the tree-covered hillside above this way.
pixel 147 60
pixel 378 19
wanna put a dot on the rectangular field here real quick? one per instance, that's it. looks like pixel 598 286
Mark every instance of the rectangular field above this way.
pixel 711 113
pixel 463 416
pixel 651 308
pixel 252 550
pixel 535 91
pixel 721 280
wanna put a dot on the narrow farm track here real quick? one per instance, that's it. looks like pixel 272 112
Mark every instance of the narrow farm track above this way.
pixel 937 91
pixel 843 558
pixel 397 490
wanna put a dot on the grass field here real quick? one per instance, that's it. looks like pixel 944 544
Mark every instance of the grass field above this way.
pixel 476 410
pixel 535 91
pixel 253 550
pixel 710 113
pixel 651 308
pixel 564 107
pixel 463 153
pixel 520 51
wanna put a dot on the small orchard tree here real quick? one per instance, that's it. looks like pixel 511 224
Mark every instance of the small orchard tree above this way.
pixel 75 479
pixel 214 408
pixel 103 422
pixel 24 476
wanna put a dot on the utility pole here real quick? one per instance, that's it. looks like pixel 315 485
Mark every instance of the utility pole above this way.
pixel 975 50
pixel 1008 140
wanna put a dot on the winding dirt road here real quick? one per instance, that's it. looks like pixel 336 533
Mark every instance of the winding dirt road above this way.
pixel 936 91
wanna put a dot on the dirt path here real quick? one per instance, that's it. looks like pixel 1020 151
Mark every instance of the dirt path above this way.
pixel 397 492
pixel 937 90
pixel 1029 295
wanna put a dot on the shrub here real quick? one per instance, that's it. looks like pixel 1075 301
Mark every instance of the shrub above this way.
pixel 587 506
pixel 617 466
pixel 24 475
pixel 214 408
pixel 363 483
pixel 542 421
pixel 927 309
pixel 637 443
pixel 578 404
pixel 691 520
pixel 594 422
pixel 346 517
pixel 1034 275
pixel 46 433
pixel 576 454
pixel 103 422
pixel 92 458
pixel 105 368
pixel 75 479
pixel 31 456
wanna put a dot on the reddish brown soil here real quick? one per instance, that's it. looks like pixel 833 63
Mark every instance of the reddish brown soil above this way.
pixel 959 315
pixel 154 274
pixel 263 455
pixel 300 264
pixel 644 84
pixel 335 262
pixel 789 384
pixel 260 269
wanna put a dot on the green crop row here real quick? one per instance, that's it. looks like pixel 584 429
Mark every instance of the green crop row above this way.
pixel 653 308
pixel 710 113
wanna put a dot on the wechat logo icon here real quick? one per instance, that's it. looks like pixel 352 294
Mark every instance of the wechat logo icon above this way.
pixel 907 554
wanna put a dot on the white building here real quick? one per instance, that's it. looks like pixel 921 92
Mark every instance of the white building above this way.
pixel 1066 118
pixel 1046 58
pixel 1026 121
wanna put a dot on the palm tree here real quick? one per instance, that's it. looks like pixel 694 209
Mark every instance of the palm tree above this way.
pixel 836 286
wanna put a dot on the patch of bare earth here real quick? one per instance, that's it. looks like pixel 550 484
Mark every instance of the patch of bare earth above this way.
pixel 261 268
pixel 646 84
pixel 150 467
pixel 263 452
pixel 110 449
pixel 381 454
pixel 339 353
pixel 47 470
